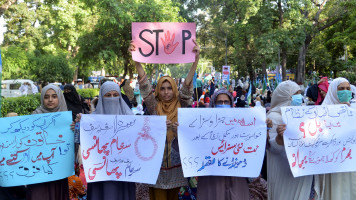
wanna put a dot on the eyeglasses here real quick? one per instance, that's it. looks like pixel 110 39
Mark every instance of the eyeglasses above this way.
pixel 227 102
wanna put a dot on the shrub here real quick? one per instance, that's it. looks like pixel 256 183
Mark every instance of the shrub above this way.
pixel 88 93
pixel 24 105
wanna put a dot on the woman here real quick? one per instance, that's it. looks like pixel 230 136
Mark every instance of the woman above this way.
pixel 323 87
pixel 339 185
pixel 281 183
pixel 52 100
pixel 165 101
pixel 222 187
pixel 110 102
pixel 128 91
pixel 76 104
pixel 74 101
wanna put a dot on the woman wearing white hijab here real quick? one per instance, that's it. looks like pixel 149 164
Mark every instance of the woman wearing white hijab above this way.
pixel 110 102
pixel 52 100
pixel 339 185
pixel 281 183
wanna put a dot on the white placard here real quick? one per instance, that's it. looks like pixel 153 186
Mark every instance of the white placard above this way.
pixel 320 139
pixel 222 141
pixel 122 147
pixel 225 73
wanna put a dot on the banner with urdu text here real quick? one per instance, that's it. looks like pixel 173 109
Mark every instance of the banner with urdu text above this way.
pixel 222 141
pixel 122 147
pixel 36 148
pixel 320 139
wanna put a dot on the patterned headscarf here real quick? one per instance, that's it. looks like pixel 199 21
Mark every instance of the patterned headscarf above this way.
pixel 216 94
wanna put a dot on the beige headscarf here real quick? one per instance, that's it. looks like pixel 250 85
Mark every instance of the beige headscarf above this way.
pixel 168 108
pixel 62 106
pixel 282 95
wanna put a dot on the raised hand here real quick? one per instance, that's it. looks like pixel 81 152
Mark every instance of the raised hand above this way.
pixel 169 47
pixel 132 47
pixel 196 50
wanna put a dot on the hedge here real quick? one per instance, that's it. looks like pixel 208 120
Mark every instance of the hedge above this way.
pixel 88 93
pixel 25 105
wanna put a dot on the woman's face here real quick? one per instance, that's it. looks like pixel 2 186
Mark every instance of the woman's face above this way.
pixel 299 92
pixel 50 99
pixel 343 86
pixel 66 90
pixel 112 93
pixel 166 91
pixel 222 99
pixel 323 93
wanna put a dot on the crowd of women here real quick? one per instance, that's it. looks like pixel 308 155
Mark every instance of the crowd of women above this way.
pixel 276 183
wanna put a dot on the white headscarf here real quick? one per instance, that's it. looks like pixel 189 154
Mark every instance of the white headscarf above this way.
pixel 353 89
pixel 331 96
pixel 62 106
pixel 258 104
pixel 111 105
pixel 282 95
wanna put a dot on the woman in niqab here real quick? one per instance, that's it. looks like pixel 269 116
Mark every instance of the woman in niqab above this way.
pixel 110 102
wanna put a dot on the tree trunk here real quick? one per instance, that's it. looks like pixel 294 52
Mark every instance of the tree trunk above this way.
pixel 251 71
pixel 75 76
pixel 130 72
pixel 126 65
pixel 300 72
pixel 284 64
pixel 264 68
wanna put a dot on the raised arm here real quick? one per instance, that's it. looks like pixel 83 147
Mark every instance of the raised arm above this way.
pixel 139 68
pixel 191 73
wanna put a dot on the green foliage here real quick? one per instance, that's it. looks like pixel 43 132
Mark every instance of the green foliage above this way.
pixel 88 93
pixel 23 105
pixel 54 40
pixel 51 68
pixel 107 42
pixel 15 63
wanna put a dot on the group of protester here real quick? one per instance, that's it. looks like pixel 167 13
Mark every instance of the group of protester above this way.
pixel 277 183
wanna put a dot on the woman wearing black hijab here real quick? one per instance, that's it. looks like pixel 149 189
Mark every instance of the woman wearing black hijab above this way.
pixel 74 101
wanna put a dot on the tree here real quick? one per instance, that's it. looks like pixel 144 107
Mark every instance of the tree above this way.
pixel 5 4
pixel 48 27
pixel 51 68
pixel 15 63
pixel 318 16
pixel 108 42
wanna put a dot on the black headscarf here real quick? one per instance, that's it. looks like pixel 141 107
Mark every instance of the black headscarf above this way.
pixel 74 102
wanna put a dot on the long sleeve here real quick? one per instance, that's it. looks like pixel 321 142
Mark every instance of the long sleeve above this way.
pixel 147 95
pixel 185 95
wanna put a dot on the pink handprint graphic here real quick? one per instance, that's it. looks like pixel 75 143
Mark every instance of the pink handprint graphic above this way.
pixel 169 47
